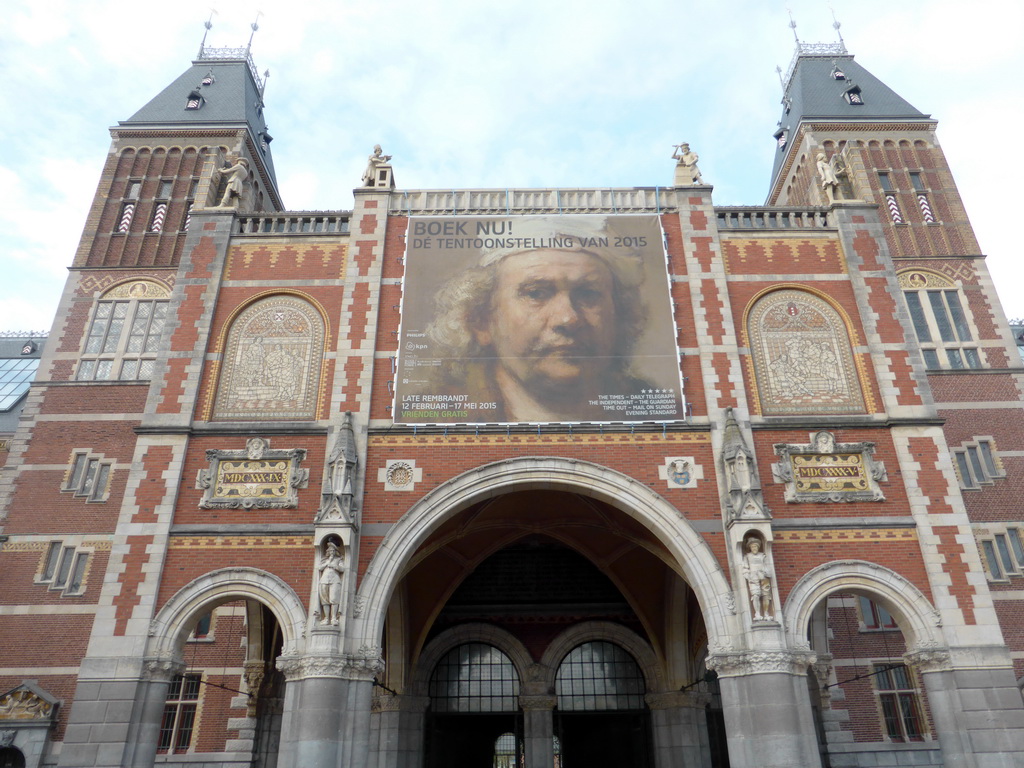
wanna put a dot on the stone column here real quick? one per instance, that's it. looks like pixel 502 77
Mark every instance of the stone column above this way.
pixel 680 729
pixel 144 733
pixel 396 739
pixel 538 728
pixel 975 703
pixel 767 708
pixel 315 693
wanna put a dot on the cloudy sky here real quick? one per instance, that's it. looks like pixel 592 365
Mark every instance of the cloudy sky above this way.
pixel 529 93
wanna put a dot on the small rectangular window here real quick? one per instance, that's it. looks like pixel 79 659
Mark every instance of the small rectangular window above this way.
pixel 884 180
pixel 164 191
pixel 931 359
pixel 975 459
pixel 901 711
pixel 78 573
pixel 955 359
pixel 966 478
pixel 1004 553
pixel 993 563
pixel 985 448
pixel 971 357
pixel 52 556
pixel 61 578
pixel 916 181
pixel 957 312
pixel 178 722
pixel 1016 544
pixel 132 190
pixel 941 316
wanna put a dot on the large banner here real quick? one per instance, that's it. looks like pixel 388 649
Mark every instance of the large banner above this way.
pixel 536 319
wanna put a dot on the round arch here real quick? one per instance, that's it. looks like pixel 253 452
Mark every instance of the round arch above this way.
pixel 914 613
pixel 609 632
pixel 692 554
pixel 174 621
pixel 489 634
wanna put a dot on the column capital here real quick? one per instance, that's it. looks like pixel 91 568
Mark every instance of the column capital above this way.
pixel 929 659
pixel 161 669
pixel 677 699
pixel 365 665
pixel 760 662
pixel 537 702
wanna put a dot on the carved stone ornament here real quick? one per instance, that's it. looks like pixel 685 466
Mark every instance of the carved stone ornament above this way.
pixel 162 669
pixel 254 672
pixel 760 662
pixel 743 499
pixel 400 475
pixel 257 477
pixel 929 659
pixel 27 702
pixel 537 703
pixel 7 737
pixel 826 471
pixel 365 664
pixel 680 472
pixel 337 499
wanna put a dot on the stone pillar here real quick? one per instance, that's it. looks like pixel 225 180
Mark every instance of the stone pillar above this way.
pixel 361 670
pixel 680 729
pixel 767 709
pixel 315 694
pixel 976 705
pixel 152 697
pixel 397 733
pixel 538 728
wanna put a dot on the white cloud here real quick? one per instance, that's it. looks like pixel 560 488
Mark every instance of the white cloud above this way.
pixel 533 93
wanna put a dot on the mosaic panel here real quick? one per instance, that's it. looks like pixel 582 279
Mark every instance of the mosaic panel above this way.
pixel 272 362
pixel 802 356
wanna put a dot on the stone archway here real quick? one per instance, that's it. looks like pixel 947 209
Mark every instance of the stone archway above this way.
pixel 693 557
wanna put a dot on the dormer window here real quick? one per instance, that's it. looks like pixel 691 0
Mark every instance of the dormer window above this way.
pixel 194 101
pixel 208 80
pixel 838 74
pixel 853 96
pixel 781 137
pixel 265 139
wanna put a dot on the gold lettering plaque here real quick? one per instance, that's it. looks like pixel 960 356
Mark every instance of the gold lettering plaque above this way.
pixel 263 479
pixel 830 473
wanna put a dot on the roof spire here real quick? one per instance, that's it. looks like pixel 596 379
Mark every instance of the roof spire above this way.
pixel 792 25
pixel 836 25
pixel 209 25
pixel 255 28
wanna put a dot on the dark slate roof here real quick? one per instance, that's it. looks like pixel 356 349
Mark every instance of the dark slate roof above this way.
pixel 232 99
pixel 813 94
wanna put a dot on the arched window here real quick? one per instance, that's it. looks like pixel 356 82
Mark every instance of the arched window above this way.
pixel 272 362
pixel 803 361
pixel 474 677
pixel 599 676
pixel 124 332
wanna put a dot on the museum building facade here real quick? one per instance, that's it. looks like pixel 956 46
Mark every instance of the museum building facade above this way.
pixel 540 477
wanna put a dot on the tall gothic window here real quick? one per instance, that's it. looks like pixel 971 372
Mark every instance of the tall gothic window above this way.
pixel 803 360
pixel 937 310
pixel 272 362
pixel 124 333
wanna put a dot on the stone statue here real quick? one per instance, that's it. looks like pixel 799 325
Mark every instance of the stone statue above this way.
pixel 759 583
pixel 687 172
pixel 375 161
pixel 236 177
pixel 332 566
pixel 829 181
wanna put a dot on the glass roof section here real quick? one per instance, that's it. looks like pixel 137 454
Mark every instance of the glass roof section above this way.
pixel 15 376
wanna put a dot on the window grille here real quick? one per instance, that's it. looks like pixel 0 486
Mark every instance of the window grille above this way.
pixel 474 677
pixel 179 719
pixel 599 676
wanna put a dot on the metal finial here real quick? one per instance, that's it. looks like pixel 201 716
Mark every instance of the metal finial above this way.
pixel 781 81
pixel 263 86
pixel 255 28
pixel 209 25
pixel 792 25
pixel 836 25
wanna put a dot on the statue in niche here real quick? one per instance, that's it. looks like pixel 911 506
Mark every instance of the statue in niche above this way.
pixel 687 172
pixel 236 177
pixel 331 569
pixel 827 174
pixel 375 161
pixel 759 582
